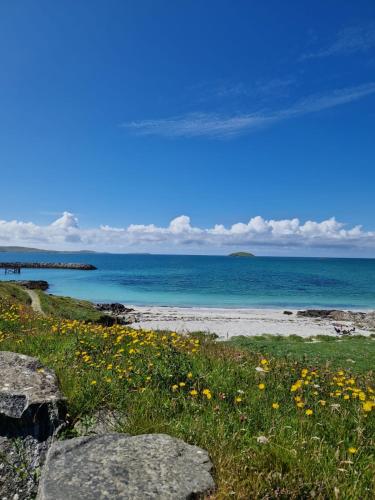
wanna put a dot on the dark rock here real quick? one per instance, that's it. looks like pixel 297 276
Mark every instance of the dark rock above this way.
pixel 119 314
pixel 288 313
pixel 114 308
pixel 114 466
pixel 33 284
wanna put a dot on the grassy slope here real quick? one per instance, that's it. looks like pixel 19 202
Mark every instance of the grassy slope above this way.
pixel 353 353
pixel 13 292
pixel 134 372
pixel 68 308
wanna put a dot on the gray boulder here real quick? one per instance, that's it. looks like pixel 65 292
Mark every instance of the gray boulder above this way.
pixel 115 466
pixel 30 400
pixel 31 410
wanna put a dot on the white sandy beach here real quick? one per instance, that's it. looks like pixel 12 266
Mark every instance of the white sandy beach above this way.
pixel 227 323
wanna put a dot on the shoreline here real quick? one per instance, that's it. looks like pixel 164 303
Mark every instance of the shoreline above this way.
pixel 227 323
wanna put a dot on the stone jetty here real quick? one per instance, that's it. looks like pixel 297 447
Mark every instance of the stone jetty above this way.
pixel 47 265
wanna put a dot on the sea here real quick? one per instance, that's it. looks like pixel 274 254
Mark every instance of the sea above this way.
pixel 208 281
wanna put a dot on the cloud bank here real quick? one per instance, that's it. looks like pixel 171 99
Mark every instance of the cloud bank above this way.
pixel 181 236
pixel 225 126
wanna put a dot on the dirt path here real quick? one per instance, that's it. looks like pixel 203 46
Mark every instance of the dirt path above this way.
pixel 35 301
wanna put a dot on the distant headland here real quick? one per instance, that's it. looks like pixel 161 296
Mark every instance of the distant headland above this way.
pixel 241 254
pixel 17 249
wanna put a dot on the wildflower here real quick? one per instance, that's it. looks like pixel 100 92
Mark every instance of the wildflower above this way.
pixel 238 399
pixel 93 382
pixel 262 440
pixel 174 387
pixel 275 406
pixel 309 412
pixel 182 384
pixel 352 450
pixel 263 362
pixel 322 402
pixel 300 404
pixel 262 387
pixel 193 392
pixel 207 393
pixel 346 396
pixel 368 405
pixel 189 375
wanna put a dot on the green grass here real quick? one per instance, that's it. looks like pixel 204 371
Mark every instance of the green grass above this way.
pixel 68 308
pixel 148 377
pixel 9 291
pixel 355 353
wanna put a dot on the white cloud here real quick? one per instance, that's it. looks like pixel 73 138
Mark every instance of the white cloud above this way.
pixel 180 234
pixel 224 126
pixel 348 41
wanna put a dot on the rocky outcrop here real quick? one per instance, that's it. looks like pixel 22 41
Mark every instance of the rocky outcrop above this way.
pixel 366 320
pixel 32 284
pixel 32 409
pixel 150 466
pixel 121 314
pixel 48 265
pixel 30 400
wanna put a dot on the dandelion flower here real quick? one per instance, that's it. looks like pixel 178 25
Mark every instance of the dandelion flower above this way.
pixel 275 406
pixel 238 399
pixel 262 387
pixel 309 412
pixel 207 393
pixel 93 382
pixel 193 392
pixel 263 362
pixel 352 450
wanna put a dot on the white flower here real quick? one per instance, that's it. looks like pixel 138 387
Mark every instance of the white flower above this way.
pixel 262 440
pixel 259 369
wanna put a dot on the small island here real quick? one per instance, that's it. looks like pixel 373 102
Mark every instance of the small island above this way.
pixel 241 254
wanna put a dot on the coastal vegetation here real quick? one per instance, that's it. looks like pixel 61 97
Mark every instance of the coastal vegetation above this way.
pixel 278 419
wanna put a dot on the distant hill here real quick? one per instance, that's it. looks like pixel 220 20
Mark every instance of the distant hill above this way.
pixel 38 250
pixel 241 254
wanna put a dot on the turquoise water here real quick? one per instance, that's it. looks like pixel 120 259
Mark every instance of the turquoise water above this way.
pixel 210 281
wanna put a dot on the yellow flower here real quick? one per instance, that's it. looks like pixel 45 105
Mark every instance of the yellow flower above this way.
pixel 263 362
pixel 189 375
pixel 193 392
pixel 93 382
pixel 174 387
pixel 352 450
pixel 238 399
pixel 322 402
pixel 309 412
pixel 275 406
pixel 262 387
pixel 207 393
pixel 301 404
pixel 182 384
pixel 346 396
pixel 368 405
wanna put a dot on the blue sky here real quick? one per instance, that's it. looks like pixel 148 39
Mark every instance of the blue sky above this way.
pixel 134 113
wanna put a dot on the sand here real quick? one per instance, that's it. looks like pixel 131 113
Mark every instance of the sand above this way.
pixel 227 323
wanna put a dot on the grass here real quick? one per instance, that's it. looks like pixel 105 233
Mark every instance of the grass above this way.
pixel 275 425
pixel 9 291
pixel 68 308
pixel 355 353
